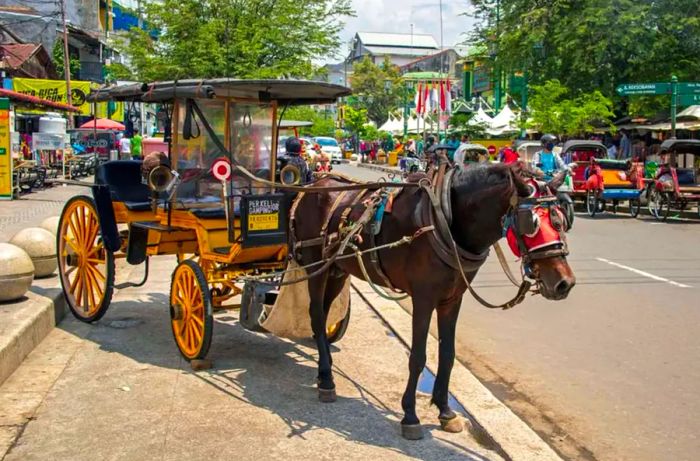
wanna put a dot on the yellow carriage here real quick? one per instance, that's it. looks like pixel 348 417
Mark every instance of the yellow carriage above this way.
pixel 206 201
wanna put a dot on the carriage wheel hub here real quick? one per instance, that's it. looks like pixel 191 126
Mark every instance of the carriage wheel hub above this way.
pixel 176 312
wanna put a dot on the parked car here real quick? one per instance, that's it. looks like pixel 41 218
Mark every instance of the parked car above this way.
pixel 330 147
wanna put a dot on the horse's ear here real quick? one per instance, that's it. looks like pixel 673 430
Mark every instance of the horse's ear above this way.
pixel 516 172
pixel 557 181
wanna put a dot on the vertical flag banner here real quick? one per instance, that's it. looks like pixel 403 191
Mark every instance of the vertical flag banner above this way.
pixel 419 99
pixel 448 96
pixel 426 99
pixel 442 95
pixel 5 153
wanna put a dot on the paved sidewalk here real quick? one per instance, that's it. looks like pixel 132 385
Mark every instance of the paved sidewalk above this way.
pixel 32 208
pixel 119 390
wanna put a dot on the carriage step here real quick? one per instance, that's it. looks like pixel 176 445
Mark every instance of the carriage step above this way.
pixel 121 286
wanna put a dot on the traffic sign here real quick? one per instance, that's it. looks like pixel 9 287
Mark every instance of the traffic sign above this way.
pixel 627 89
pixel 689 88
pixel 688 99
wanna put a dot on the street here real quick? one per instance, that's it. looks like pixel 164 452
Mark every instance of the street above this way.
pixel 611 373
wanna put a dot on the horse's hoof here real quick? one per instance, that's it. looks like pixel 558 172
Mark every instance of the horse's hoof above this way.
pixel 326 395
pixel 412 431
pixel 453 425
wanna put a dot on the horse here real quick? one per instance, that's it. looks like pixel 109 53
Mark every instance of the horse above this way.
pixel 481 201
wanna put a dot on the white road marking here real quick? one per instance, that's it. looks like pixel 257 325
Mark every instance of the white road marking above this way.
pixel 645 274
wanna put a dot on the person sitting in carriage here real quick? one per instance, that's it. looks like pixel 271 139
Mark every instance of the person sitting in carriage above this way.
pixel 293 156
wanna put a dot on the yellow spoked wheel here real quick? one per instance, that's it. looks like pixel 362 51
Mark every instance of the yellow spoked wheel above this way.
pixel 191 310
pixel 335 332
pixel 86 267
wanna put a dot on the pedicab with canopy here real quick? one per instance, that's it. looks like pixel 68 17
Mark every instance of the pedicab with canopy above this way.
pixel 191 202
pixel 599 180
pixel 676 183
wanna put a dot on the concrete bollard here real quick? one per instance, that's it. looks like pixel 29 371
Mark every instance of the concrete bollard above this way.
pixel 40 245
pixel 51 224
pixel 16 272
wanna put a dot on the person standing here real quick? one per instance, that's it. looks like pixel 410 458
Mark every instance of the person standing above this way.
pixel 136 146
pixel 125 148
pixel 625 145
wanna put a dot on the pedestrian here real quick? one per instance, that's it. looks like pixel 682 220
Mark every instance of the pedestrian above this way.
pixel 125 148
pixel 625 145
pixel 509 155
pixel 136 145
pixel 612 151
pixel 461 150
pixel 292 156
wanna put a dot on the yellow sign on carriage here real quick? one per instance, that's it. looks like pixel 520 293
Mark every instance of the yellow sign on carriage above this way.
pixel 267 221
pixel 5 154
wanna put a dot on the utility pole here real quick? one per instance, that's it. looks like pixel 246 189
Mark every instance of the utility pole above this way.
pixel 66 61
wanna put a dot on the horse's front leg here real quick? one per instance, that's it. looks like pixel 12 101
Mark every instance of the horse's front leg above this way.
pixel 326 386
pixel 447 322
pixel 410 424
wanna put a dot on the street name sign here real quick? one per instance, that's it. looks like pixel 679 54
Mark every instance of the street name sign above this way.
pixel 689 88
pixel 627 89
pixel 688 99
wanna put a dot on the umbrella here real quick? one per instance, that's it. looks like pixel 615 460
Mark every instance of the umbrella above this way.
pixel 103 124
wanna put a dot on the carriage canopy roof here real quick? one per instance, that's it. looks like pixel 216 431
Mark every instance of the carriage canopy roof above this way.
pixel 285 92
pixel 576 144
pixel 681 146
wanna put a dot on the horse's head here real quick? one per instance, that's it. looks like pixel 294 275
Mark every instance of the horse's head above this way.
pixel 494 200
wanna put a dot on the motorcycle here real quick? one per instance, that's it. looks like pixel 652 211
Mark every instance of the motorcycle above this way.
pixel 563 191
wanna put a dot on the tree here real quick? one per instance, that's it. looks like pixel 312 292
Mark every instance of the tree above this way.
pixel 593 44
pixel 377 89
pixel 323 123
pixel 74 62
pixel 238 38
pixel 553 111
pixel 460 122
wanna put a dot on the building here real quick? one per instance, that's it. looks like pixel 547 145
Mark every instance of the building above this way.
pixel 28 60
pixel 401 49
pixel 446 62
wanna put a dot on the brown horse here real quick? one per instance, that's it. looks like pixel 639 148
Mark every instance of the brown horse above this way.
pixel 479 199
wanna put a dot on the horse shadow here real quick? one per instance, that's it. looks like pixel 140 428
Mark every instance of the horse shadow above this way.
pixel 270 373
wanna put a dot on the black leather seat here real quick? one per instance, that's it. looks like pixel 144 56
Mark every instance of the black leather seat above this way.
pixel 209 213
pixel 124 180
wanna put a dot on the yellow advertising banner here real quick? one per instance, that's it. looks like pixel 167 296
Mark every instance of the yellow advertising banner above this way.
pixel 55 90
pixel 5 154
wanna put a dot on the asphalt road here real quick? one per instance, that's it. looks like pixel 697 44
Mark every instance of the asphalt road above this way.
pixel 612 372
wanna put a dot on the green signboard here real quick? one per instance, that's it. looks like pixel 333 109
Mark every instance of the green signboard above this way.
pixel 627 89
pixel 689 88
pixel 688 99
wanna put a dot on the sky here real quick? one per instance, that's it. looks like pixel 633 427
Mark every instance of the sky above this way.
pixel 398 15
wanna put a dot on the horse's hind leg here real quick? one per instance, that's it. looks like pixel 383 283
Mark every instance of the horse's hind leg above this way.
pixel 317 290
pixel 447 321
pixel 410 424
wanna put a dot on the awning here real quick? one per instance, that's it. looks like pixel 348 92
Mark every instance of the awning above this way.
pixel 26 99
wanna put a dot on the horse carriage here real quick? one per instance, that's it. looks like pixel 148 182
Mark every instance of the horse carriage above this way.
pixel 239 223
pixel 676 183
pixel 219 223
pixel 600 181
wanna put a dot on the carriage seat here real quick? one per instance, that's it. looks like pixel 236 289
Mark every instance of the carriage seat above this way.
pixel 686 176
pixel 215 211
pixel 124 180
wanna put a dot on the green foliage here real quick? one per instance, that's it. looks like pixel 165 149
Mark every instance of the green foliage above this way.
pixel 460 123
pixel 377 89
pixel 370 132
pixel 552 110
pixel 323 122
pixel 594 44
pixel 57 55
pixel 118 71
pixel 355 120
pixel 241 38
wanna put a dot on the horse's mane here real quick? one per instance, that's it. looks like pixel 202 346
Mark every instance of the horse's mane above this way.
pixel 483 176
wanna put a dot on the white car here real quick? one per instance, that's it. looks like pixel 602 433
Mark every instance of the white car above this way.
pixel 330 147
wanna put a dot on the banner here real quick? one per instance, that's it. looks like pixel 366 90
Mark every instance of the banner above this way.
pixel 55 90
pixel 5 153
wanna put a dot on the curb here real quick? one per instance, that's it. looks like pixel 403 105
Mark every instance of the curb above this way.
pixel 26 323
pixel 488 415
pixel 385 169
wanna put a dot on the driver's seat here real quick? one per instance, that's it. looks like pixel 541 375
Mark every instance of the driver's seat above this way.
pixel 124 180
